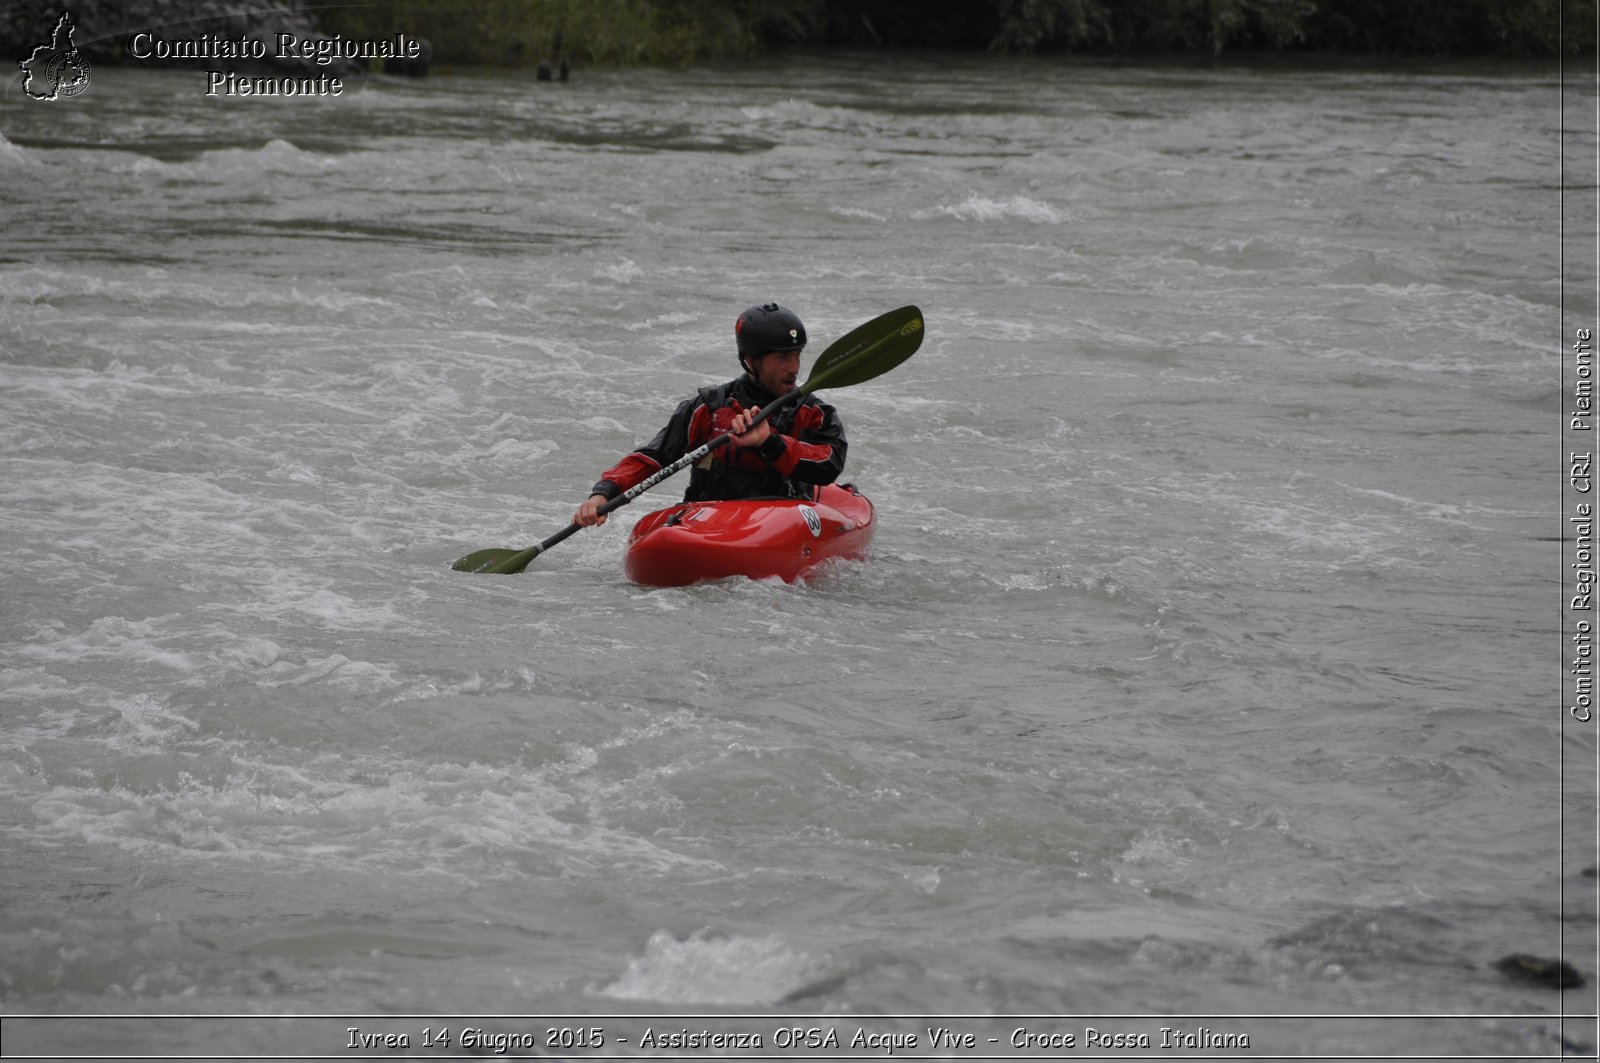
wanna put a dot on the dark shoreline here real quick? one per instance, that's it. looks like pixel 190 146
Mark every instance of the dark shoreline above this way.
pixel 529 34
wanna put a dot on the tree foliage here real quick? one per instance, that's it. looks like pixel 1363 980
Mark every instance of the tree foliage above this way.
pixel 511 31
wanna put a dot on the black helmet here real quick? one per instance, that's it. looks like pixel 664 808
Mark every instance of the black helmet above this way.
pixel 768 327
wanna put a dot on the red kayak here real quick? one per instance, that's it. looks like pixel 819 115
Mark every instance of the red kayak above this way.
pixel 758 538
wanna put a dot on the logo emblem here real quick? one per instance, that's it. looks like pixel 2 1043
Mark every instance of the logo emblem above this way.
pixel 794 334
pixel 56 70
pixel 813 521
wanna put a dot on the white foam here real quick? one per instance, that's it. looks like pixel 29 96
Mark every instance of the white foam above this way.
pixel 797 112
pixel 522 450
pixel 330 608
pixel 251 652
pixel 339 670
pixel 334 299
pixel 112 637
pixel 624 272
pixel 983 209
pixel 857 212
pixel 677 318
pixel 277 156
pixel 1154 846
pixel 1440 511
pixel 708 968
pixel 925 879
pixel 12 155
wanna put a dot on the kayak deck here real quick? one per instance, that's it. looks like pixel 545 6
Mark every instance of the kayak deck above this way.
pixel 758 538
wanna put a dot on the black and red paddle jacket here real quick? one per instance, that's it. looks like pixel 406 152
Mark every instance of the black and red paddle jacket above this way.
pixel 805 450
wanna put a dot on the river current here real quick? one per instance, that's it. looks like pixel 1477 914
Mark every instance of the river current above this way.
pixel 1203 673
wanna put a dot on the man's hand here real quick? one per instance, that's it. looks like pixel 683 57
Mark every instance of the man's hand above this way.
pixel 589 514
pixel 743 434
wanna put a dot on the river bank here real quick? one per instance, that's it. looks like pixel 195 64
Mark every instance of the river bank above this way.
pixel 516 32
pixel 528 33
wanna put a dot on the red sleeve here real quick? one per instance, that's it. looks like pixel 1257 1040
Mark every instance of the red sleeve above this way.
pixel 815 453
pixel 669 444
pixel 795 452
pixel 630 470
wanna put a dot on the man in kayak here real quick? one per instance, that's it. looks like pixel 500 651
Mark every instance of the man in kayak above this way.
pixel 789 455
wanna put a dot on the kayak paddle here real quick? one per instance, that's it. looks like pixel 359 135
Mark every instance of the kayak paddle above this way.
pixel 865 352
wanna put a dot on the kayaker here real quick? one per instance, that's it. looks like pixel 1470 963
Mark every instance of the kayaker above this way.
pixel 789 455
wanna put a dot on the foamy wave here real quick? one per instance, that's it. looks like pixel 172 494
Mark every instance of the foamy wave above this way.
pixel 678 318
pixel 856 212
pixel 131 792
pixel 339 670
pixel 1440 511
pixel 12 155
pixel 273 157
pixel 277 156
pixel 624 272
pixel 169 291
pixel 981 208
pixel 522 450
pixel 113 638
pixel 336 300
pixel 1156 847
pixel 710 969
pixel 795 112
pixel 330 609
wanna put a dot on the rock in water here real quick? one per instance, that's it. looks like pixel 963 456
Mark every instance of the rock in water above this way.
pixel 1538 971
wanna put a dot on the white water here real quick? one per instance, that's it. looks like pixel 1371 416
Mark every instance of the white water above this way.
pixel 1203 666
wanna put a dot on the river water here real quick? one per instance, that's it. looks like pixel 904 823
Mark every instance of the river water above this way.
pixel 1204 666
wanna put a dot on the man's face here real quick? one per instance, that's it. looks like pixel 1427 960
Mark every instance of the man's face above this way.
pixel 777 371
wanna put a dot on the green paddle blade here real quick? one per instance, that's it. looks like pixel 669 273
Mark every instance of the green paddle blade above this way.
pixel 491 561
pixel 481 560
pixel 868 351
